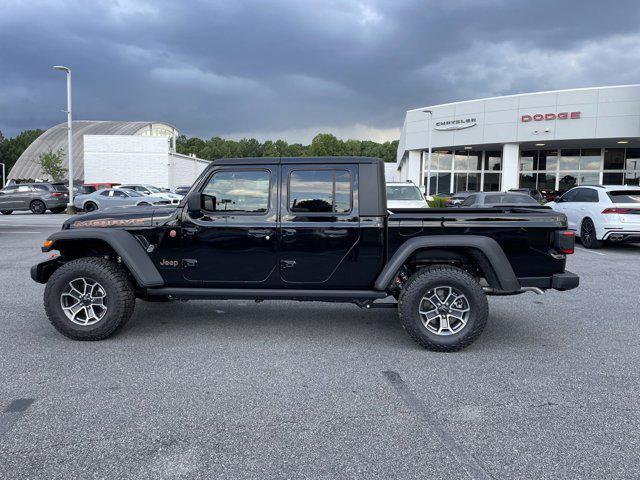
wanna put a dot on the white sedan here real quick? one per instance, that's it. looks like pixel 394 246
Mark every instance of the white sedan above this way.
pixel 602 213
pixel 146 189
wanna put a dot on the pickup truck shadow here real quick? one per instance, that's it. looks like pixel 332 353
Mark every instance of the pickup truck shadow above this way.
pixel 303 323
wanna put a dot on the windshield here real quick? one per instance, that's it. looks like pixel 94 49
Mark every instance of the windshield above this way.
pixel 403 192
pixel 625 196
pixel 153 189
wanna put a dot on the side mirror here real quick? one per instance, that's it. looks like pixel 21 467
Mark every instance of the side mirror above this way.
pixel 194 202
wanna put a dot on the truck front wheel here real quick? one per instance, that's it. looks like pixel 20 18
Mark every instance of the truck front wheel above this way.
pixel 443 308
pixel 89 298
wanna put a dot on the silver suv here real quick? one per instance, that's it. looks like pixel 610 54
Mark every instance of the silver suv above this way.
pixel 37 197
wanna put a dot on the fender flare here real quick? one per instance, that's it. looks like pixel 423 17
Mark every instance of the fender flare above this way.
pixel 486 245
pixel 123 243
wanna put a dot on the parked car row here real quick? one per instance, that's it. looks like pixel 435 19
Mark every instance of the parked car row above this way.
pixel 38 197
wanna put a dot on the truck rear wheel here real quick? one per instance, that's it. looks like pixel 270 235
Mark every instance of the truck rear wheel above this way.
pixel 443 308
pixel 89 298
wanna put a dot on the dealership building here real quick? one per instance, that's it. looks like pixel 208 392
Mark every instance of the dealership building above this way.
pixel 548 140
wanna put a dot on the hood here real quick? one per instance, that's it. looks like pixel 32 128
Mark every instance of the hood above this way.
pixel 119 217
pixel 407 204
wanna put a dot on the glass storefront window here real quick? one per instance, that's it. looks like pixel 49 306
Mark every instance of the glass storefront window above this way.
pixel 492 160
pixel 491 182
pixel 614 159
pixel 441 160
pixel 527 160
pixel 632 178
pixel 547 182
pixel 547 160
pixel 465 168
pixel 569 159
pixel 460 182
pixel 633 159
pixel 567 181
pixel 473 182
pixel 609 178
pixel 461 160
pixel 589 178
pixel 528 180
pixel 590 159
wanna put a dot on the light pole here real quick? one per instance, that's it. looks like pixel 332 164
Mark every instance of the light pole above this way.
pixel 70 208
pixel 4 181
pixel 428 190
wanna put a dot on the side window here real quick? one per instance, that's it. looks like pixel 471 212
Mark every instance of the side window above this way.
pixel 118 193
pixel 105 193
pixel 39 188
pixel 586 195
pixel 238 191
pixel 320 191
pixel 570 196
pixel 470 200
pixel 23 188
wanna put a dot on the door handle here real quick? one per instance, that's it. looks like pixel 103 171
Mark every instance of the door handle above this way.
pixel 335 232
pixel 287 232
pixel 287 263
pixel 260 233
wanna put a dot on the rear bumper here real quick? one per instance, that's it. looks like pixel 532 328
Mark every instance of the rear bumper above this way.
pixel 559 281
pixel 623 236
pixel 57 202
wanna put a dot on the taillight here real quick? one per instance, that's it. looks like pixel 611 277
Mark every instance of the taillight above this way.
pixel 565 241
pixel 57 194
pixel 621 210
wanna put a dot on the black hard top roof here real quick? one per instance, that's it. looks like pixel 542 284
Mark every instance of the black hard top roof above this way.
pixel 297 160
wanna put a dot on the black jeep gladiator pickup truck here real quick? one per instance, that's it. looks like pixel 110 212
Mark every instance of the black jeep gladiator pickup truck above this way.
pixel 313 229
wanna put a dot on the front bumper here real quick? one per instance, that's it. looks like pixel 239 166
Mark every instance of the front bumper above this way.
pixel 41 272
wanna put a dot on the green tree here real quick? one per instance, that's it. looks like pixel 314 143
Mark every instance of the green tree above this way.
pixel 51 164
pixel 269 149
pixel 12 148
pixel 325 145
pixel 248 147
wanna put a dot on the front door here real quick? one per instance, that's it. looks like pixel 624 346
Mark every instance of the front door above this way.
pixel 319 226
pixel 234 239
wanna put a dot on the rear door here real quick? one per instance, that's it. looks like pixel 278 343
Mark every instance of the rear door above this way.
pixel 319 228
pixel 22 197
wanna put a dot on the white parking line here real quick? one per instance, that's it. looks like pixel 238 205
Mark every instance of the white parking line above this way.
pixel 16 231
pixel 590 251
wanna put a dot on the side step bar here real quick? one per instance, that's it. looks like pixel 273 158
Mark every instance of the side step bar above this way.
pixel 356 296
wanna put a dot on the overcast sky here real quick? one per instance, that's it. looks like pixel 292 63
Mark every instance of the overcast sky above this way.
pixel 289 69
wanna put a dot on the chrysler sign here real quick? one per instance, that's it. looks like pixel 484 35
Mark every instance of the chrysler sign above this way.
pixel 455 124
pixel 538 117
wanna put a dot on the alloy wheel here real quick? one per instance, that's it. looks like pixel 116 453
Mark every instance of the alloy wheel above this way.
pixel 84 301
pixel 444 310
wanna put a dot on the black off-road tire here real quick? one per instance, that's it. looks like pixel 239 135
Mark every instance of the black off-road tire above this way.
pixel 436 276
pixel 588 235
pixel 120 299
pixel 90 207
pixel 38 207
pixel 58 209
pixel 6 212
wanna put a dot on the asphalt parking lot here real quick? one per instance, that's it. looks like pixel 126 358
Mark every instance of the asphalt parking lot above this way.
pixel 292 390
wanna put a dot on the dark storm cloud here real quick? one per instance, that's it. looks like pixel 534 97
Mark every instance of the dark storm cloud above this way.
pixel 232 67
